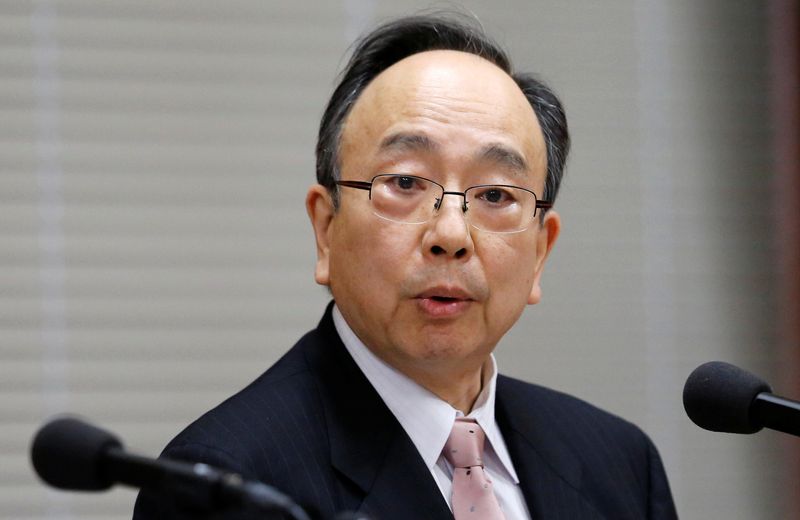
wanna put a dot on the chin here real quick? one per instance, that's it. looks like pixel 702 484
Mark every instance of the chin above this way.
pixel 442 349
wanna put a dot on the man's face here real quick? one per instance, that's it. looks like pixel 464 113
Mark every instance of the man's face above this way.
pixel 437 295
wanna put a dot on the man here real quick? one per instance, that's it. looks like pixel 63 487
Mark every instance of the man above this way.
pixel 437 168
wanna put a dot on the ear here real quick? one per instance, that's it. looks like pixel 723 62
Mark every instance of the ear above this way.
pixel 319 206
pixel 548 233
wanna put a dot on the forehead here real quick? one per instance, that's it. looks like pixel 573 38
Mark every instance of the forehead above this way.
pixel 453 98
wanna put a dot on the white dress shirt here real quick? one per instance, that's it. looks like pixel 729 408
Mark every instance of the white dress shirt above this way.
pixel 428 421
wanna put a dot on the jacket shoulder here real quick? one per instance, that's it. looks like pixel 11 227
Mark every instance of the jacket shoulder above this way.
pixel 257 431
pixel 563 412
pixel 273 431
pixel 620 470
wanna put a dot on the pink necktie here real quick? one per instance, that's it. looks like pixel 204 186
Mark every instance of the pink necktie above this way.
pixel 473 497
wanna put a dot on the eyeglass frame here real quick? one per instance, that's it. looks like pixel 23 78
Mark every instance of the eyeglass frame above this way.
pixel 544 205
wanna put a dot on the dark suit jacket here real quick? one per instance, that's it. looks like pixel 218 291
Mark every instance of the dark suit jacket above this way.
pixel 314 427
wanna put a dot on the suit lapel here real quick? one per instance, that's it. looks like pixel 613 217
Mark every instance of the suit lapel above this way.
pixel 383 474
pixel 403 487
pixel 549 472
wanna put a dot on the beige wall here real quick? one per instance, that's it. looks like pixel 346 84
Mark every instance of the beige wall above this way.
pixel 155 256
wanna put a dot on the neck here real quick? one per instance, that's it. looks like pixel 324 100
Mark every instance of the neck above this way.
pixel 458 388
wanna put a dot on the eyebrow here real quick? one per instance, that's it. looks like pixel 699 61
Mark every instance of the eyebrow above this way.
pixel 403 141
pixel 505 156
pixel 494 152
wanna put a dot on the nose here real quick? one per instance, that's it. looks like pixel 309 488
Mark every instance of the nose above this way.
pixel 448 234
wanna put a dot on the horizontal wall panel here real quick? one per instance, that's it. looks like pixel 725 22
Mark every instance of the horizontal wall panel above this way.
pixel 156 256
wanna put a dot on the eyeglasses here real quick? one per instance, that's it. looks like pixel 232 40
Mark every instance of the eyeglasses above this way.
pixel 408 199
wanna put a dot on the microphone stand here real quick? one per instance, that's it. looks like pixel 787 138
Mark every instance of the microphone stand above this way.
pixel 198 487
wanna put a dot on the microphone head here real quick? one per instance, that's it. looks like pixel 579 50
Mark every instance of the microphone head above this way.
pixel 718 396
pixel 68 453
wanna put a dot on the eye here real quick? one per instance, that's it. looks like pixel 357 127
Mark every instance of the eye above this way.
pixel 495 195
pixel 404 183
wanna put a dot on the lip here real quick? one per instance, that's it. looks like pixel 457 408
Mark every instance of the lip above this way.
pixel 444 301
pixel 446 292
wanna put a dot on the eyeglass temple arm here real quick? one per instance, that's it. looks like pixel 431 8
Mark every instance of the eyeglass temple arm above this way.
pixel 544 204
pixel 361 185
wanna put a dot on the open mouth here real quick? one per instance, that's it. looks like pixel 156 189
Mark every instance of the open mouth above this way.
pixel 445 299
pixel 445 294
pixel 452 303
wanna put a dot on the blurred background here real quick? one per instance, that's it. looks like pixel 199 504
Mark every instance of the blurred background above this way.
pixel 155 255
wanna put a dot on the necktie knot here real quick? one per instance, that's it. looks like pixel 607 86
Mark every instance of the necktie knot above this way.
pixel 464 447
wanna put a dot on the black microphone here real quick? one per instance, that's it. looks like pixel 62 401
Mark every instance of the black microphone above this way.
pixel 721 397
pixel 70 454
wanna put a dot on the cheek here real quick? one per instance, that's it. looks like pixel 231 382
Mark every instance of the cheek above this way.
pixel 510 266
pixel 370 256
pixel 512 259
pixel 393 253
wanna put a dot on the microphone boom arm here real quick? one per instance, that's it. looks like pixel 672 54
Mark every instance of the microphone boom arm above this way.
pixel 777 413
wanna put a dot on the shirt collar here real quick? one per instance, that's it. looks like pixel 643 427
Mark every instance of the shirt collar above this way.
pixel 426 418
